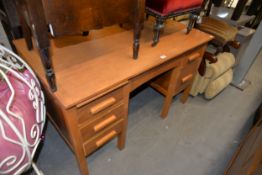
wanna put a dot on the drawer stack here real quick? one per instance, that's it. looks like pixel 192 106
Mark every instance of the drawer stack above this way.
pixel 102 119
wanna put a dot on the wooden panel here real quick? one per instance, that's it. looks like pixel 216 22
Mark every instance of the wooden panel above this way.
pixel 102 138
pixel 89 129
pixel 75 16
pixel 249 155
pixel 56 116
pixel 104 103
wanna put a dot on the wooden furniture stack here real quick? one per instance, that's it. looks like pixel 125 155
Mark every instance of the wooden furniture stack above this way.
pixel 95 78
pixel 73 17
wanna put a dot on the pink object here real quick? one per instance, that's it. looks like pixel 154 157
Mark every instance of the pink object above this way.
pixel 22 116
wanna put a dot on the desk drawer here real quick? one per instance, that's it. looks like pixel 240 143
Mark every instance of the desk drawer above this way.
pixel 192 58
pixel 103 137
pixel 95 108
pixel 102 122
pixel 187 75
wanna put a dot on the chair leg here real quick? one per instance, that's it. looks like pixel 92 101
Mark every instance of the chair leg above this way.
pixel 147 16
pixel 192 20
pixel 20 7
pixel 157 28
pixel 50 75
pixel 137 31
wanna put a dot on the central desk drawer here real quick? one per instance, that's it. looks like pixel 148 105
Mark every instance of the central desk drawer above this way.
pixel 103 137
pixel 89 111
pixel 100 123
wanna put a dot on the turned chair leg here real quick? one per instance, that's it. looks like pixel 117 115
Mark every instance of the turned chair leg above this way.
pixel 147 16
pixel 157 28
pixel 21 8
pixel 50 75
pixel 137 33
pixel 192 20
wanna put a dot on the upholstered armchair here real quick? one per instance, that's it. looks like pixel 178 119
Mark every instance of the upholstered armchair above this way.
pixel 216 77
pixel 216 69
pixel 165 9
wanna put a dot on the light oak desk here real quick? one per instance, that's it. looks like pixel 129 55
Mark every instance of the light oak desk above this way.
pixel 95 78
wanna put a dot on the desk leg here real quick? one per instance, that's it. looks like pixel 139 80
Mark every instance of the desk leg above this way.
pixel 185 94
pixel 121 140
pixel 76 140
pixel 170 91
pixel 122 135
pixel 166 106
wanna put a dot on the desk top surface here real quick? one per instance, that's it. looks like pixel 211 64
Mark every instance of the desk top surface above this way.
pixel 86 69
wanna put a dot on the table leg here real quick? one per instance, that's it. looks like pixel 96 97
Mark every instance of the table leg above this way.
pixel 170 91
pixel 76 140
pixel 82 163
pixel 121 140
pixel 166 106
pixel 122 135
pixel 185 94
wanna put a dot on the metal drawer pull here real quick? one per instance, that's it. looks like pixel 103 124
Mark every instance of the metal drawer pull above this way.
pixel 187 78
pixel 101 106
pixel 193 57
pixel 106 138
pixel 104 123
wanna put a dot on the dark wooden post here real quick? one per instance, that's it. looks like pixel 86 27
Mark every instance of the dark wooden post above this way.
pixel 239 9
pixel 138 24
pixel 38 27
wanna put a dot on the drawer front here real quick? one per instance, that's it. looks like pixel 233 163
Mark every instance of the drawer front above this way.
pixel 89 111
pixel 187 75
pixel 101 123
pixel 192 58
pixel 103 137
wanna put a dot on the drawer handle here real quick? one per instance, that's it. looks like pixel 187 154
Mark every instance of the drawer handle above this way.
pixel 193 57
pixel 106 138
pixel 104 123
pixel 187 78
pixel 101 106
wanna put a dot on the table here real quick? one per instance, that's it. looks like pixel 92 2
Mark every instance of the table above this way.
pixel 95 78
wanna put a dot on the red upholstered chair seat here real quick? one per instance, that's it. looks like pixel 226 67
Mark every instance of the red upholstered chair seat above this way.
pixel 165 7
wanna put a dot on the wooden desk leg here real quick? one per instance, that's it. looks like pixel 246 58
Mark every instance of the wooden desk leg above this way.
pixel 170 92
pixel 121 140
pixel 122 135
pixel 166 106
pixel 185 94
pixel 76 140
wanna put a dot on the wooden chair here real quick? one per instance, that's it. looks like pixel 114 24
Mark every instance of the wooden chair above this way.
pixel 165 9
pixel 68 17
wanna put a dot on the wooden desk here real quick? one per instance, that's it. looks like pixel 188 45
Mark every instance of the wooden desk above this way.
pixel 95 78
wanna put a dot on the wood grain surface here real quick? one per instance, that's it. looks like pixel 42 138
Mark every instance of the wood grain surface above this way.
pixel 89 68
